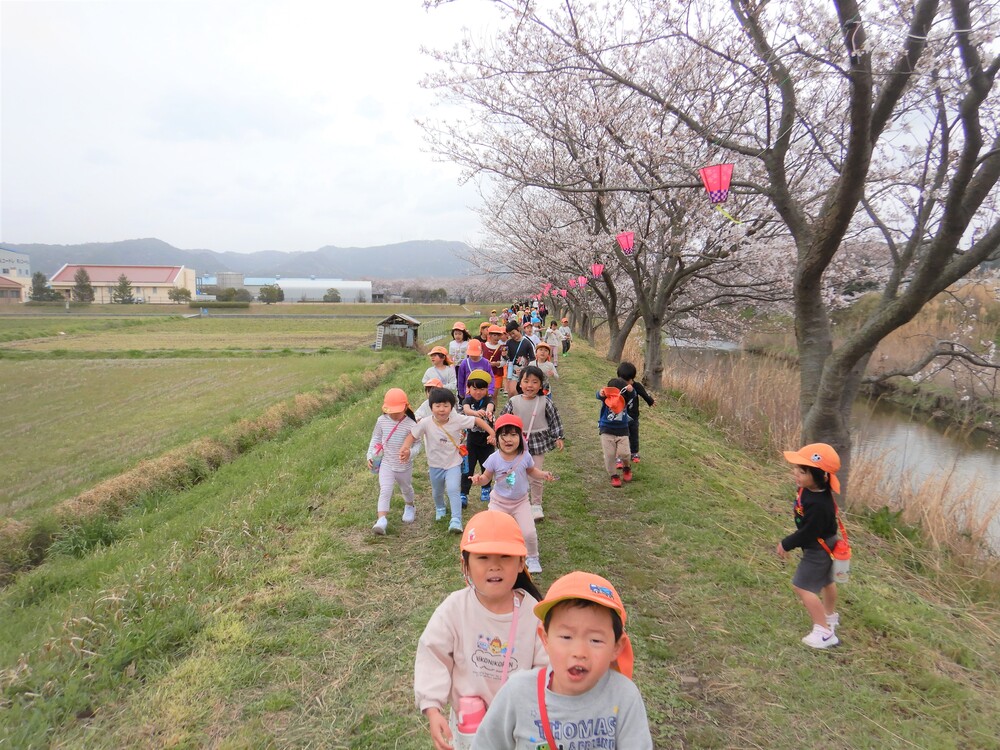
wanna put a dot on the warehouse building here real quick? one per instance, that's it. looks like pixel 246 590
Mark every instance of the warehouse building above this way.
pixel 149 283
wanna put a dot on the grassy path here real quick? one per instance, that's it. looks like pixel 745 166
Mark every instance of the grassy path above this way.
pixel 257 610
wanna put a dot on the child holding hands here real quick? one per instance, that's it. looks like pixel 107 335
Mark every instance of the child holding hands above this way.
pixel 511 464
pixel 613 427
pixel 391 430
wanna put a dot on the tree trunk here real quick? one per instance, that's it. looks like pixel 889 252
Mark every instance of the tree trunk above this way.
pixel 652 375
pixel 620 338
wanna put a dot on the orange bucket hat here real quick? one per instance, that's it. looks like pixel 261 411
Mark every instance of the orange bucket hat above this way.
pixel 543 345
pixel 495 329
pixel 442 351
pixel 592 588
pixel 614 400
pixel 820 455
pixel 395 401
pixel 493 532
pixel 475 348
pixel 434 383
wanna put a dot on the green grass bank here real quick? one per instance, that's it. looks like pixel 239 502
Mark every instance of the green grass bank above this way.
pixel 256 610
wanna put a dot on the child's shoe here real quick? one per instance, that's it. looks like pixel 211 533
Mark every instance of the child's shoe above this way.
pixel 409 514
pixel 536 513
pixel 455 527
pixel 833 621
pixel 484 495
pixel 616 481
pixel 533 565
pixel 627 473
pixel 635 458
pixel 380 526
pixel 465 500
pixel 821 637
pixel 440 513
pixel 618 463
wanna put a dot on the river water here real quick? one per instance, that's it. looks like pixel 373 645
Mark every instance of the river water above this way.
pixel 916 446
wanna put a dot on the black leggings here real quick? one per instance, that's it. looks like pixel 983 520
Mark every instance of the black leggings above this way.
pixel 479 451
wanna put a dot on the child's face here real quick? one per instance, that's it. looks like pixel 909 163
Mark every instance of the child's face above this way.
pixel 457 335
pixel 803 477
pixel 530 386
pixel 441 410
pixel 479 391
pixel 509 439
pixel 494 576
pixel 437 360
pixel 581 646
pixel 542 354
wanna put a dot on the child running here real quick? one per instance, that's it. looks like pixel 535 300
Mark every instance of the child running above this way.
pixel 814 469
pixel 586 698
pixel 481 635
pixel 443 433
pixel 459 341
pixel 478 403
pixel 567 336
pixel 441 369
pixel 511 464
pixel 544 430
pixel 632 392
pixel 543 352
pixel 391 430
pixel 473 361
pixel 424 410
pixel 613 428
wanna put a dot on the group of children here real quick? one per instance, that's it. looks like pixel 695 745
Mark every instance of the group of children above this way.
pixel 498 665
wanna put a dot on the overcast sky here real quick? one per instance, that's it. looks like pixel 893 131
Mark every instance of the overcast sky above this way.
pixel 246 125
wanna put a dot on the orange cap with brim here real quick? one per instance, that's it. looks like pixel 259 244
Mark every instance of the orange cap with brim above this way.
pixel 395 401
pixel 592 588
pixel 475 348
pixel 434 383
pixel 543 345
pixel 820 455
pixel 442 351
pixel 495 329
pixel 492 532
pixel 614 400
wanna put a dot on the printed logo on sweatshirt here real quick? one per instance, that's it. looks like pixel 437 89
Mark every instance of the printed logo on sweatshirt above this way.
pixel 488 658
pixel 585 734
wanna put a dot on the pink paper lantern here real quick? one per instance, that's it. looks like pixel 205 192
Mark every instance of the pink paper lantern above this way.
pixel 597 269
pixel 563 292
pixel 626 241
pixel 581 280
pixel 716 179
pixel 572 283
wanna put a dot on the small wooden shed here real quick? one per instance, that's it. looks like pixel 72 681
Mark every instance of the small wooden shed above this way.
pixel 396 330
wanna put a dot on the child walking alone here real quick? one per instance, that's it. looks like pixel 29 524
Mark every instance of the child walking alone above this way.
pixel 443 432
pixel 481 635
pixel 543 431
pixel 391 430
pixel 814 469
pixel 613 428
pixel 511 465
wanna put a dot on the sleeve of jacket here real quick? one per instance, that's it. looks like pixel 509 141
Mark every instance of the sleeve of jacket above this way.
pixel 435 660
pixel 641 390
pixel 552 417
pixel 376 439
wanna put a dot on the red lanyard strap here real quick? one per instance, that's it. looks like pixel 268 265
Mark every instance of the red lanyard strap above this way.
pixel 546 727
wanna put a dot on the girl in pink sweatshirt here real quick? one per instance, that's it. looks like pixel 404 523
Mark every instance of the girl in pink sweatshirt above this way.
pixel 480 635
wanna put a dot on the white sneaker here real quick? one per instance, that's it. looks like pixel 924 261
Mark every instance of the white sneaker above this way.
pixel 380 526
pixel 534 566
pixel 439 513
pixel 536 512
pixel 833 621
pixel 821 637
pixel 409 514
pixel 455 527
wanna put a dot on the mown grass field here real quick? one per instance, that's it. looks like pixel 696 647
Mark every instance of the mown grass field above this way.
pixel 256 610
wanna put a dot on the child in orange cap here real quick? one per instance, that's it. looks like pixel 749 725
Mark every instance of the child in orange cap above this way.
pixel 441 369
pixel 814 470
pixel 612 424
pixel 391 431
pixel 459 342
pixel 586 695
pixel 424 410
pixel 511 464
pixel 481 635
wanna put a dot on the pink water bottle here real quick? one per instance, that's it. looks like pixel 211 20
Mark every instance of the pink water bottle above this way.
pixel 471 710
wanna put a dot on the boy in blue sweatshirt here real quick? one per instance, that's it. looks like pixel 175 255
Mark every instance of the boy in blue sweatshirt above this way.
pixel 613 427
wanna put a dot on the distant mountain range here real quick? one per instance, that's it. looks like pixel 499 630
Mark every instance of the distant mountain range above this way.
pixel 404 260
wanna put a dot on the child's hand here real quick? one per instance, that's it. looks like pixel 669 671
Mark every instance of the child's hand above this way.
pixel 440 733
pixel 781 551
pixel 476 478
pixel 560 443
pixel 601 393
pixel 550 477
pixel 404 454
pixel 370 465
pixel 492 439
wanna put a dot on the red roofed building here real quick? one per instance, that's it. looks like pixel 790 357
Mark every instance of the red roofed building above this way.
pixel 149 283
pixel 11 292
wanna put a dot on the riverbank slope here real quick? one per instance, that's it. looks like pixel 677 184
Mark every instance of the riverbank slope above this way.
pixel 257 609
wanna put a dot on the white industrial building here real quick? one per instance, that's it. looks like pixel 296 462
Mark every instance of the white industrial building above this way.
pixel 306 289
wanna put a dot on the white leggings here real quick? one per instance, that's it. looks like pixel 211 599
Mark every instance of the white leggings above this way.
pixel 388 479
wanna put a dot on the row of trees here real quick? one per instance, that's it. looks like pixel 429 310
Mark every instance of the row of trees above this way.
pixel 867 150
